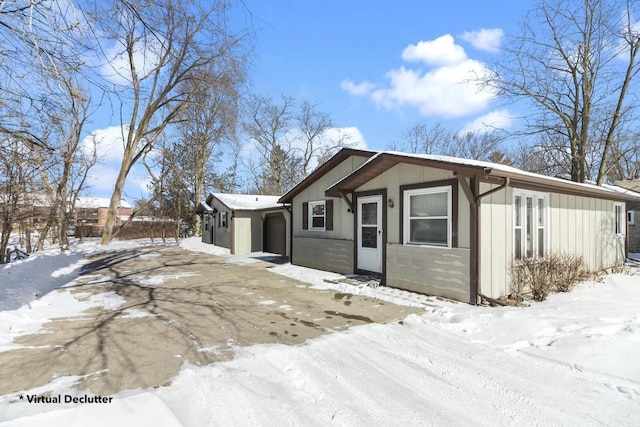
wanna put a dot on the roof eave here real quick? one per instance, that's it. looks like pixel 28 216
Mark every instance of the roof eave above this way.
pixel 337 158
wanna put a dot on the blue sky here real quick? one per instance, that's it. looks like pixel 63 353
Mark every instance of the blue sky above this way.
pixel 377 67
pixel 318 50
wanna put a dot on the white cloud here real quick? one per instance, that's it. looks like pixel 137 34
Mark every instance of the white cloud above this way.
pixel 499 119
pixel 102 177
pixel 357 88
pixel 117 68
pixel 353 134
pixel 444 91
pixel 109 143
pixel 485 39
pixel 441 51
pixel 445 88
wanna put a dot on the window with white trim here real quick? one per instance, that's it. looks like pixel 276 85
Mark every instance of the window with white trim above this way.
pixel 223 220
pixel 317 215
pixel 618 219
pixel 529 225
pixel 427 216
pixel 631 218
pixel 206 222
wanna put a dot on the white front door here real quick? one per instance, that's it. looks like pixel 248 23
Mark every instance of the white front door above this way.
pixel 370 233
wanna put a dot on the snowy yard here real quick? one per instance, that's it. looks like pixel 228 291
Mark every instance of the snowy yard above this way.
pixel 571 360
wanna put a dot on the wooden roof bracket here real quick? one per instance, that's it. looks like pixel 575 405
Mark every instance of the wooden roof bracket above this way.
pixel 347 201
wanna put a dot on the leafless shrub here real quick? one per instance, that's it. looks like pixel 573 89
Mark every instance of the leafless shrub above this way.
pixel 556 272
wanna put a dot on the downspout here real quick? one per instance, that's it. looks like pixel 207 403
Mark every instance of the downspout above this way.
pixel 477 288
pixel 290 210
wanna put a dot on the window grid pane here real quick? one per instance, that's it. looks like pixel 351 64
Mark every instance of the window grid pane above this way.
pixel 317 215
pixel 431 231
pixel 429 205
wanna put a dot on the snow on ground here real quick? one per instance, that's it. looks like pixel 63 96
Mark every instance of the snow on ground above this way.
pixel 571 360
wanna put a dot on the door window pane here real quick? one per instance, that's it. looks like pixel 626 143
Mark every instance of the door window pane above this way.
pixel 370 237
pixel 540 212
pixel 541 242
pixel 517 204
pixel 528 226
pixel 518 243
pixel 370 213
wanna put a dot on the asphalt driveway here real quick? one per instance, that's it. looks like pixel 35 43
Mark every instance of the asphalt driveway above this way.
pixel 180 306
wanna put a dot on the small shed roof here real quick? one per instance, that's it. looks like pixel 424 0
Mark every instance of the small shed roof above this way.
pixel 203 207
pixel 246 202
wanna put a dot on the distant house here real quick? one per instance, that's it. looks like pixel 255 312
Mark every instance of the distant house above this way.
pixel 93 211
pixel 633 215
pixel 447 226
pixel 245 223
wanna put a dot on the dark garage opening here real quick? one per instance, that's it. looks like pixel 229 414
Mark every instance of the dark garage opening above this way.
pixel 275 234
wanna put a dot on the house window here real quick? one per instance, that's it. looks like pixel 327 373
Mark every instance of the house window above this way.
pixel 427 216
pixel 619 227
pixel 223 220
pixel 317 215
pixel 529 225
pixel 206 222
pixel 631 218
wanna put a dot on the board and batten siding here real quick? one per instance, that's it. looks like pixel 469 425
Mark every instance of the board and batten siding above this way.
pixel 342 219
pixel 575 225
pixel 222 235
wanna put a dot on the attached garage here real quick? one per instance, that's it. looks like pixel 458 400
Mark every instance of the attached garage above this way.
pixel 275 233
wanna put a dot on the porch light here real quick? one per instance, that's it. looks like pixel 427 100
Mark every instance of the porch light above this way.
pixel 390 203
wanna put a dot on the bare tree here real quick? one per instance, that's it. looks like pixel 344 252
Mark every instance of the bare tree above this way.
pixel 68 112
pixel 288 140
pixel 208 122
pixel 573 65
pixel 438 140
pixel 20 165
pixel 161 45
pixel 317 146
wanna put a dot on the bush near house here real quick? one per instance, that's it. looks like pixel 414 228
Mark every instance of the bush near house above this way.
pixel 540 276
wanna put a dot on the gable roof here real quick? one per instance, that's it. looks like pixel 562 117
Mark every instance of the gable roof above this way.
pixel 246 202
pixel 321 170
pixel 204 207
pixel 380 161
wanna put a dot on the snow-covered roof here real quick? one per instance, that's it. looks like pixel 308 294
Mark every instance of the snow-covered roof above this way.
pixel 389 158
pixel 248 202
pixel 98 202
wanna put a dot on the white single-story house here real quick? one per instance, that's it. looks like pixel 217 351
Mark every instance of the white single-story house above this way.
pixel 245 223
pixel 447 226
